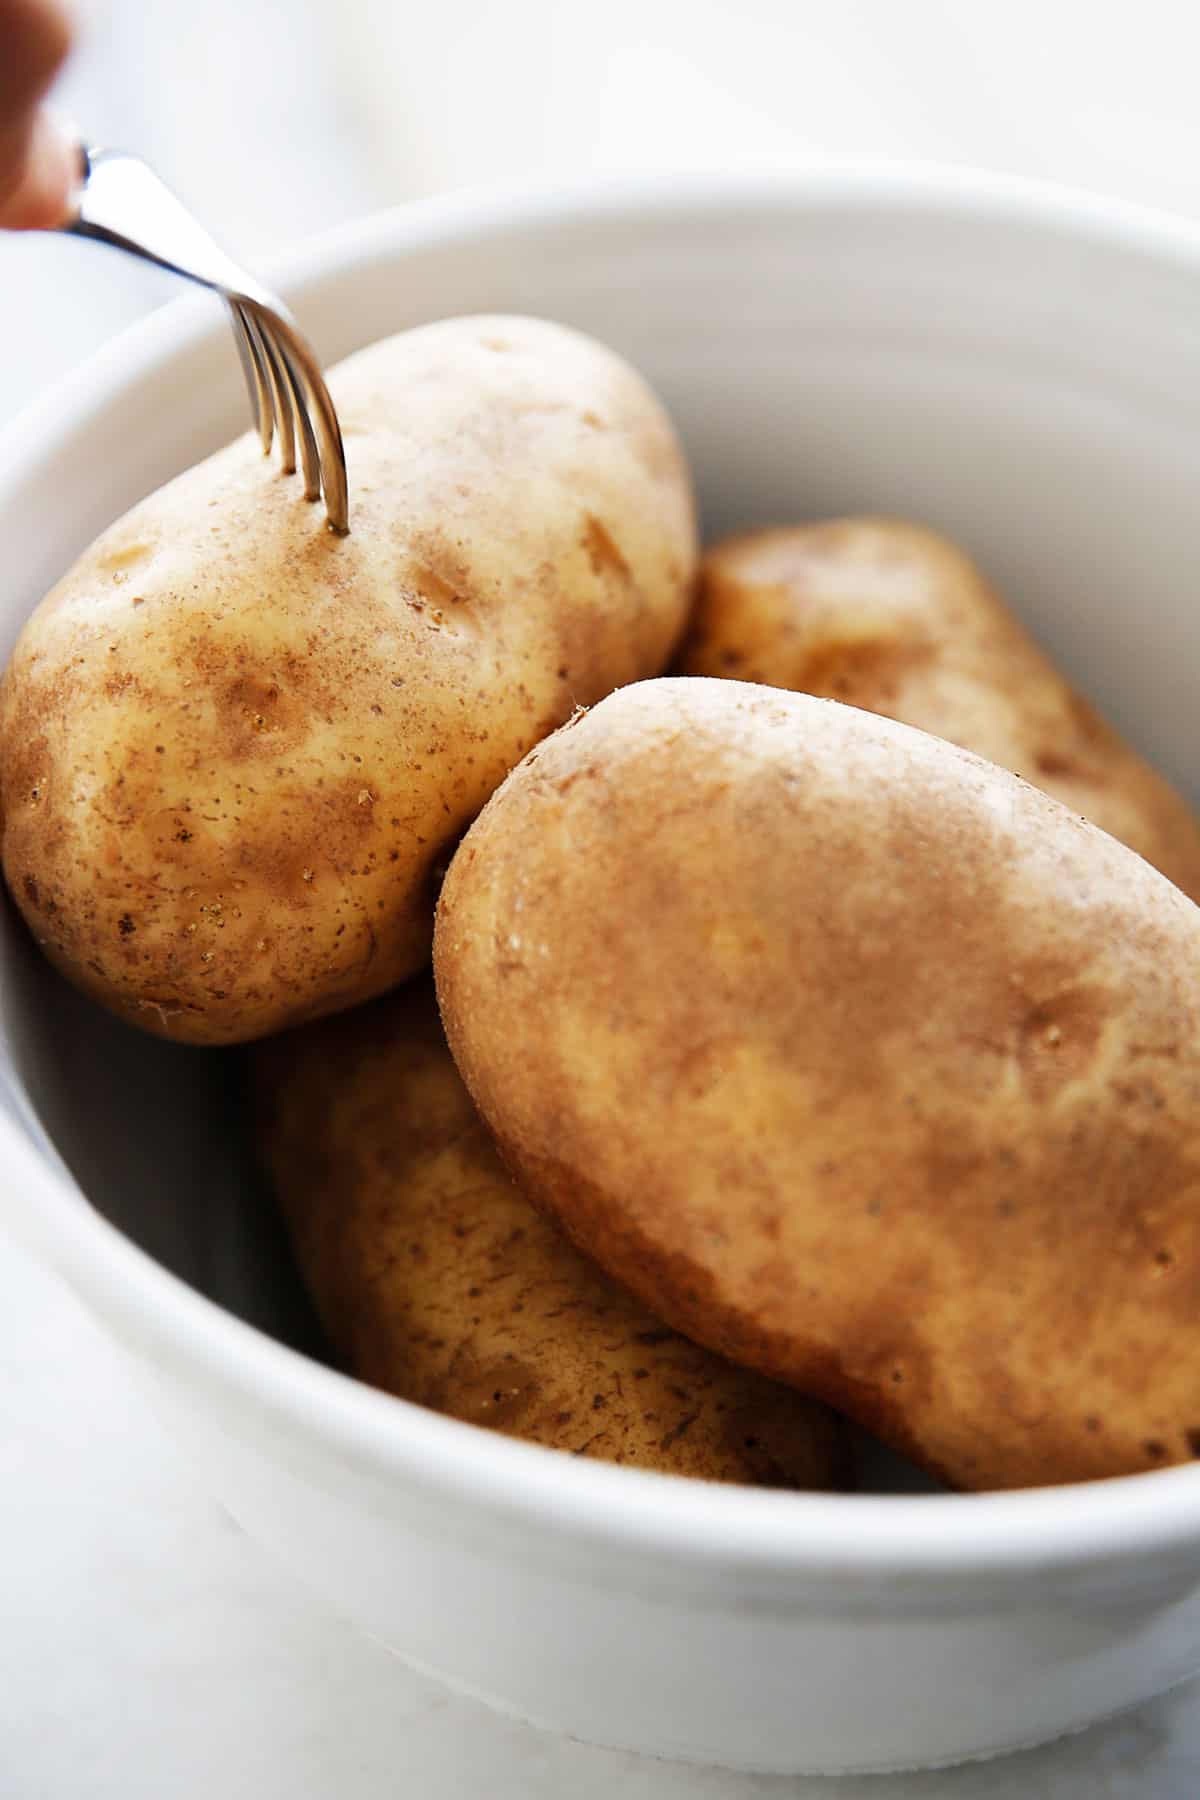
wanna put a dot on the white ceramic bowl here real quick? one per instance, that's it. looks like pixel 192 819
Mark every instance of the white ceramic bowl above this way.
pixel 1017 366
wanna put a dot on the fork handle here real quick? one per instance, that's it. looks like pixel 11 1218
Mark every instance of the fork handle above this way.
pixel 121 202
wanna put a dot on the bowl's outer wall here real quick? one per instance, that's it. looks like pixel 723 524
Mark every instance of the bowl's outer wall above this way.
pixel 1024 378
pixel 789 1680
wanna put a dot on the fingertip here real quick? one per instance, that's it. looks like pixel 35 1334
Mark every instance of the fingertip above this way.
pixel 43 197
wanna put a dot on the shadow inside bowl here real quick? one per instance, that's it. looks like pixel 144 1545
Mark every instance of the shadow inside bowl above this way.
pixel 153 1134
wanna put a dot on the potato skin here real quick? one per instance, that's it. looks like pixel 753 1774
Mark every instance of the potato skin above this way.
pixel 234 748
pixel 894 618
pixel 436 1279
pixel 858 1059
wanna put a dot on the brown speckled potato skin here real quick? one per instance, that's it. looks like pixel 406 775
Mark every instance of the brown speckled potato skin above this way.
pixel 859 1059
pixel 436 1279
pixel 234 748
pixel 894 618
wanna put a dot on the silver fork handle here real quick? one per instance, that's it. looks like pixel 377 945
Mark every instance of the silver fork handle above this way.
pixel 119 195
pixel 115 188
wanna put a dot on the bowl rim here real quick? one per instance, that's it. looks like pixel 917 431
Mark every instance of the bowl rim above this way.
pixel 1030 1532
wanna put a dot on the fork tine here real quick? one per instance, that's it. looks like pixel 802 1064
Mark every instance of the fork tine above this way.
pixel 262 362
pixel 317 410
pixel 244 357
pixel 280 393
pixel 308 444
pixel 256 381
pixel 333 455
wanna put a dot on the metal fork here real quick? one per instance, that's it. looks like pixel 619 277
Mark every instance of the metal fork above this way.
pixel 122 202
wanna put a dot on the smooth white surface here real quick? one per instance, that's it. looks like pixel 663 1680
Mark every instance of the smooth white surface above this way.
pixel 151 1648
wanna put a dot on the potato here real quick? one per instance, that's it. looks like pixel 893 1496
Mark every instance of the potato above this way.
pixel 893 618
pixel 858 1059
pixel 234 748
pixel 436 1279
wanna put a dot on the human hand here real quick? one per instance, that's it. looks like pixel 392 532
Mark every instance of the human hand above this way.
pixel 37 160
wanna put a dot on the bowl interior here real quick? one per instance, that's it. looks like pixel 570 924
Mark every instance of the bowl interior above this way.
pixel 1018 374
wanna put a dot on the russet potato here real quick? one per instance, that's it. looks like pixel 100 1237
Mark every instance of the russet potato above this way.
pixel 236 749
pixel 893 617
pixel 859 1059
pixel 436 1279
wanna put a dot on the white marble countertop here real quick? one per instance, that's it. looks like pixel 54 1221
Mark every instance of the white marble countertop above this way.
pixel 150 1648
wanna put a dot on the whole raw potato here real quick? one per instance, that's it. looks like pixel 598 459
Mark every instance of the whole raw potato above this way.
pixel 858 1059
pixel 435 1277
pixel 891 617
pixel 235 749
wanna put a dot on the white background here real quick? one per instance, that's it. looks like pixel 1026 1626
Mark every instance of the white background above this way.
pixel 147 1649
